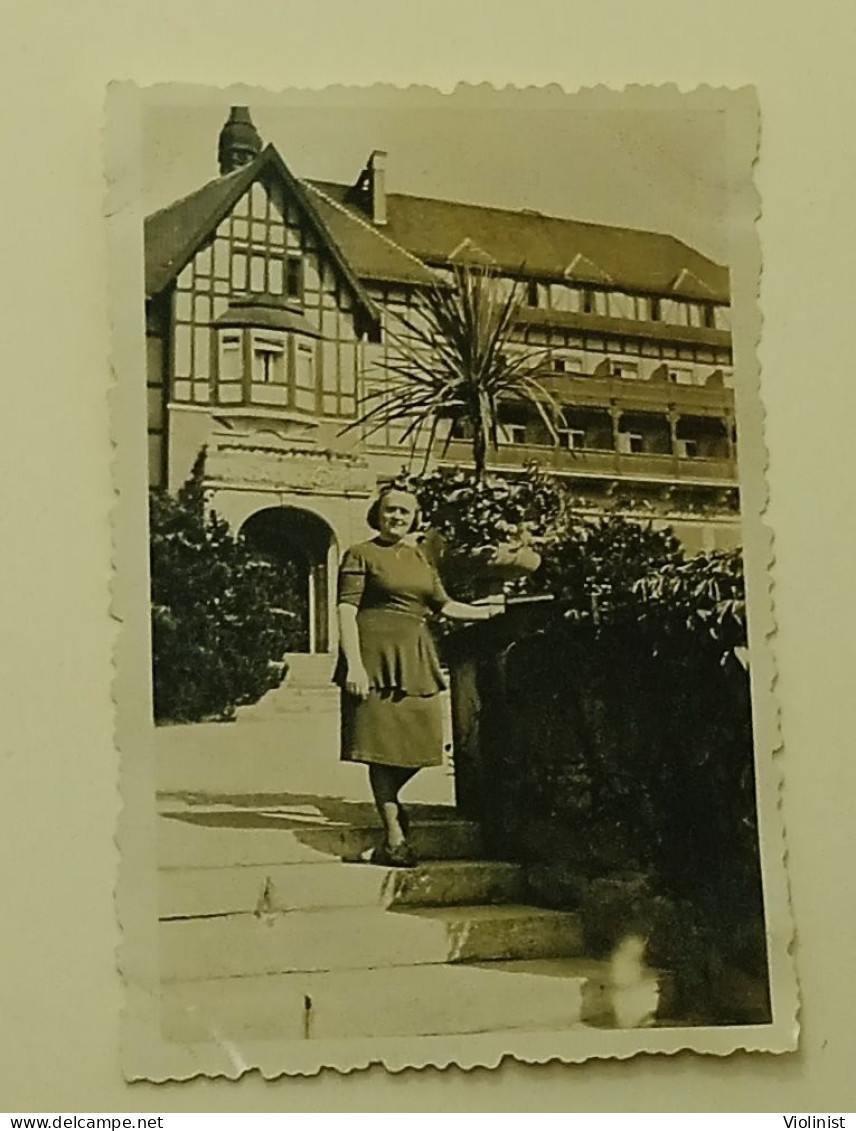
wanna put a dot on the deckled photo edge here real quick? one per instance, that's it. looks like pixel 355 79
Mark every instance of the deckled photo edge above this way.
pixel 145 1056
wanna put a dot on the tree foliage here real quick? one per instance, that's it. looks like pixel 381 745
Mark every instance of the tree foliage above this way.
pixel 221 617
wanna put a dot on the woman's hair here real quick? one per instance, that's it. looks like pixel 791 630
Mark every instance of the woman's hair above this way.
pixel 373 514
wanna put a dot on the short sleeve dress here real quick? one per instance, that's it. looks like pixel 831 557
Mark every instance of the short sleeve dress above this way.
pixel 395 589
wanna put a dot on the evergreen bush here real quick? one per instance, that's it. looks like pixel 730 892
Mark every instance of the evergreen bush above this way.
pixel 222 618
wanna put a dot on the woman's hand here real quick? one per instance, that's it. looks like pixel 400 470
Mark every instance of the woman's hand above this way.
pixel 484 609
pixel 491 606
pixel 357 681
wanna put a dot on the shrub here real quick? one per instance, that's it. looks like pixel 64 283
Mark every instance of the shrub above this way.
pixel 474 515
pixel 618 735
pixel 221 617
pixel 593 568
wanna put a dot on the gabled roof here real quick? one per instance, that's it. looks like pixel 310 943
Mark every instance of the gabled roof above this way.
pixel 548 247
pixel 175 233
pixel 369 251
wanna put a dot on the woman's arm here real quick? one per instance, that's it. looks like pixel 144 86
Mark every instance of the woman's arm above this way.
pixel 356 677
pixel 458 610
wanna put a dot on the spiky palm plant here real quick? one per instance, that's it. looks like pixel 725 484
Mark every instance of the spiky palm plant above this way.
pixel 454 364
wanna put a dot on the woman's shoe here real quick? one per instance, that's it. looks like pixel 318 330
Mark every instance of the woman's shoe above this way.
pixel 402 856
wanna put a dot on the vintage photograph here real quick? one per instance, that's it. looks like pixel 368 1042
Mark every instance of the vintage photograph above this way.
pixel 454 728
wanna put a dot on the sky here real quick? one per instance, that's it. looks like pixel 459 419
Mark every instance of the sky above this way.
pixel 661 170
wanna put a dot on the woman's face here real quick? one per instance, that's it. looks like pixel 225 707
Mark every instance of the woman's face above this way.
pixel 396 514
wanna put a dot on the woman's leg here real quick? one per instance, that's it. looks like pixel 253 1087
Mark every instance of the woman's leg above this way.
pixel 386 782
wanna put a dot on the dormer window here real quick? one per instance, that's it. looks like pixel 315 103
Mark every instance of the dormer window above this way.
pixel 266 355
pixel 627 370
pixel 567 363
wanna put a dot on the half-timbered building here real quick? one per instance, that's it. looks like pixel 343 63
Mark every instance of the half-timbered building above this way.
pixel 268 301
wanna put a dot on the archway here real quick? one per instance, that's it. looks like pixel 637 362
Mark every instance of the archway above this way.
pixel 300 542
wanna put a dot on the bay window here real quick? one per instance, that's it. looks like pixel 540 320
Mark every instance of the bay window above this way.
pixel 266 355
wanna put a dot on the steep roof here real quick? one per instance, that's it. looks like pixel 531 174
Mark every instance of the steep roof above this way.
pixel 546 247
pixel 369 251
pixel 175 233
pixel 422 232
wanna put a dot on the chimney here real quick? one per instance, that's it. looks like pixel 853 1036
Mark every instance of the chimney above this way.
pixel 239 141
pixel 377 186
pixel 370 190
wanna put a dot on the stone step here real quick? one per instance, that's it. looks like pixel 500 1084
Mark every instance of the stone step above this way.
pixel 402 1001
pixel 199 840
pixel 186 892
pixel 360 938
pixel 611 997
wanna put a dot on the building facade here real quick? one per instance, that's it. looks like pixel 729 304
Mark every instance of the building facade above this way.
pixel 269 306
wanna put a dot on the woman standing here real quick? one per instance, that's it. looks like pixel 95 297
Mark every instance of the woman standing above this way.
pixel 388 669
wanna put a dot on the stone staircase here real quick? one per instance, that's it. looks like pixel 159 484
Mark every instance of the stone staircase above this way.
pixel 307 686
pixel 273 927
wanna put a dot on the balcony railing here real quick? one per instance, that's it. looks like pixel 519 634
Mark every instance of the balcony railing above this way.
pixel 643 396
pixel 595 463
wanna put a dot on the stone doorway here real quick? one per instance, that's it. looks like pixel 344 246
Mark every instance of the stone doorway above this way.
pixel 301 542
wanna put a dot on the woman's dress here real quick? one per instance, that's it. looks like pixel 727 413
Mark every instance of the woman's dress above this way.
pixel 394 589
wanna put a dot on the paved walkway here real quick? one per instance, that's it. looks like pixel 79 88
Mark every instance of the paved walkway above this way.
pixel 271 751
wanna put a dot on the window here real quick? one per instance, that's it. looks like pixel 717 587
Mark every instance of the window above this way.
pixel 462 430
pixel 563 297
pixel 708 316
pixel 268 372
pixel 688 449
pixel 655 310
pixel 282 369
pixel 587 300
pixel 304 377
pixel 268 360
pixel 621 305
pixel 722 317
pixel 625 369
pixel 573 438
pixel 294 277
pixel 512 433
pixel 566 363
pixel 230 369
pixel 631 442
pixel 680 375
pixel 531 293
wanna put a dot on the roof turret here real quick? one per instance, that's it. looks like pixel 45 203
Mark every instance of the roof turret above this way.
pixel 239 142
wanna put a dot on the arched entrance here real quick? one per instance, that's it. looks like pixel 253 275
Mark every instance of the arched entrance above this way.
pixel 300 542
